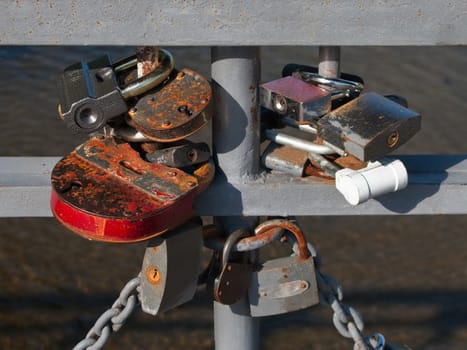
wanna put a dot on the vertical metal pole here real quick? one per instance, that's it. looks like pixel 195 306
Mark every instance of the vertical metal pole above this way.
pixel 235 73
pixel 329 61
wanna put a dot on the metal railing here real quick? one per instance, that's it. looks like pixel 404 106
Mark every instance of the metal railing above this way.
pixel 436 183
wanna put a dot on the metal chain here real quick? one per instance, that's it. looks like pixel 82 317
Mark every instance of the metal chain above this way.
pixel 112 319
pixel 347 320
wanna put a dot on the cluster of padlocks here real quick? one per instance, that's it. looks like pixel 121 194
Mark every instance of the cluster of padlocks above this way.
pixel 137 176
pixel 353 131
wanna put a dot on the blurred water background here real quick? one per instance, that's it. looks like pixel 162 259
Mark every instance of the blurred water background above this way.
pixel 406 275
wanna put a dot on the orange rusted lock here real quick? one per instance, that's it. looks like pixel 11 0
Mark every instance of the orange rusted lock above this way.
pixel 105 191
pixel 174 110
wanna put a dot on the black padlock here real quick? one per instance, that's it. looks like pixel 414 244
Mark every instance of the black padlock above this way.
pixel 91 93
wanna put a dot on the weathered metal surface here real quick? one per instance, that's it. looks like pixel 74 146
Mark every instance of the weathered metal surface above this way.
pixel 329 61
pixel 369 127
pixel 290 96
pixel 103 190
pixel 285 284
pixel 288 225
pixel 181 156
pixel 285 159
pixel 141 84
pixel 247 22
pixel 436 186
pixel 235 73
pixel 234 278
pixel 148 59
pixel 174 111
pixel 171 266
pixel 321 167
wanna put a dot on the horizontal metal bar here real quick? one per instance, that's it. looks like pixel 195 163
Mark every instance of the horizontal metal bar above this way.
pixel 437 185
pixel 226 22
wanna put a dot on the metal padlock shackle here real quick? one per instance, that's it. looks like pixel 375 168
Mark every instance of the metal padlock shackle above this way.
pixel 262 237
pixel 149 81
pixel 265 228
pixel 234 278
pixel 230 243
pixel 342 86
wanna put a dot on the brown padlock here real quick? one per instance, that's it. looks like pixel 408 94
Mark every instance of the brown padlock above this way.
pixel 175 110
pixel 234 279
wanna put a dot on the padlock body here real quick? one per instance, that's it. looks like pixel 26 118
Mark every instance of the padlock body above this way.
pixel 369 127
pixel 232 283
pixel 283 285
pixel 89 95
pixel 176 109
pixel 184 155
pixel 171 267
pixel 104 191
pixel 290 96
pixel 285 159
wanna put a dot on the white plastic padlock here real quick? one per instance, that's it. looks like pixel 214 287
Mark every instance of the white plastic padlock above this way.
pixel 378 178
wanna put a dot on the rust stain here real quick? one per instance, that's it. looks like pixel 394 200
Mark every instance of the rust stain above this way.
pixel 270 227
pixel 350 162
pixel 312 170
pixel 174 110
pixel 292 155
pixel 153 275
pixel 110 179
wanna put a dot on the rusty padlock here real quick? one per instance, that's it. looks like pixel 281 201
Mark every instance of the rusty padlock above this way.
pixel 175 110
pixel 369 127
pixel 104 190
pixel 285 284
pixel 234 279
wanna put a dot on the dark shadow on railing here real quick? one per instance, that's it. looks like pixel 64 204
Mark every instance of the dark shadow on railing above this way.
pixel 426 174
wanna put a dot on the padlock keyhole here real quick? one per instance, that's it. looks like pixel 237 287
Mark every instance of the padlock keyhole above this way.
pixel 71 186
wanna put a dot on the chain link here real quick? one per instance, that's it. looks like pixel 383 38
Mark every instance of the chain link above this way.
pixel 347 320
pixel 112 319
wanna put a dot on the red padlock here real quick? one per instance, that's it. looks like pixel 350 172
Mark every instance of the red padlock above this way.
pixel 105 191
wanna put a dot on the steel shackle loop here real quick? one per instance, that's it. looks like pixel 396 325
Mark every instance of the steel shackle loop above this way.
pixel 230 243
pixel 340 86
pixel 149 81
pixel 285 224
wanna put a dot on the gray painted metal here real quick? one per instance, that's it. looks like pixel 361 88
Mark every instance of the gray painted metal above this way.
pixel 437 185
pixel 329 61
pixel 225 22
pixel 235 74
pixel 25 186
pixel 170 268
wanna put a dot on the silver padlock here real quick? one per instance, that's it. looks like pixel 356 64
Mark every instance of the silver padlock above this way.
pixel 171 267
pixel 290 96
pixel 285 284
